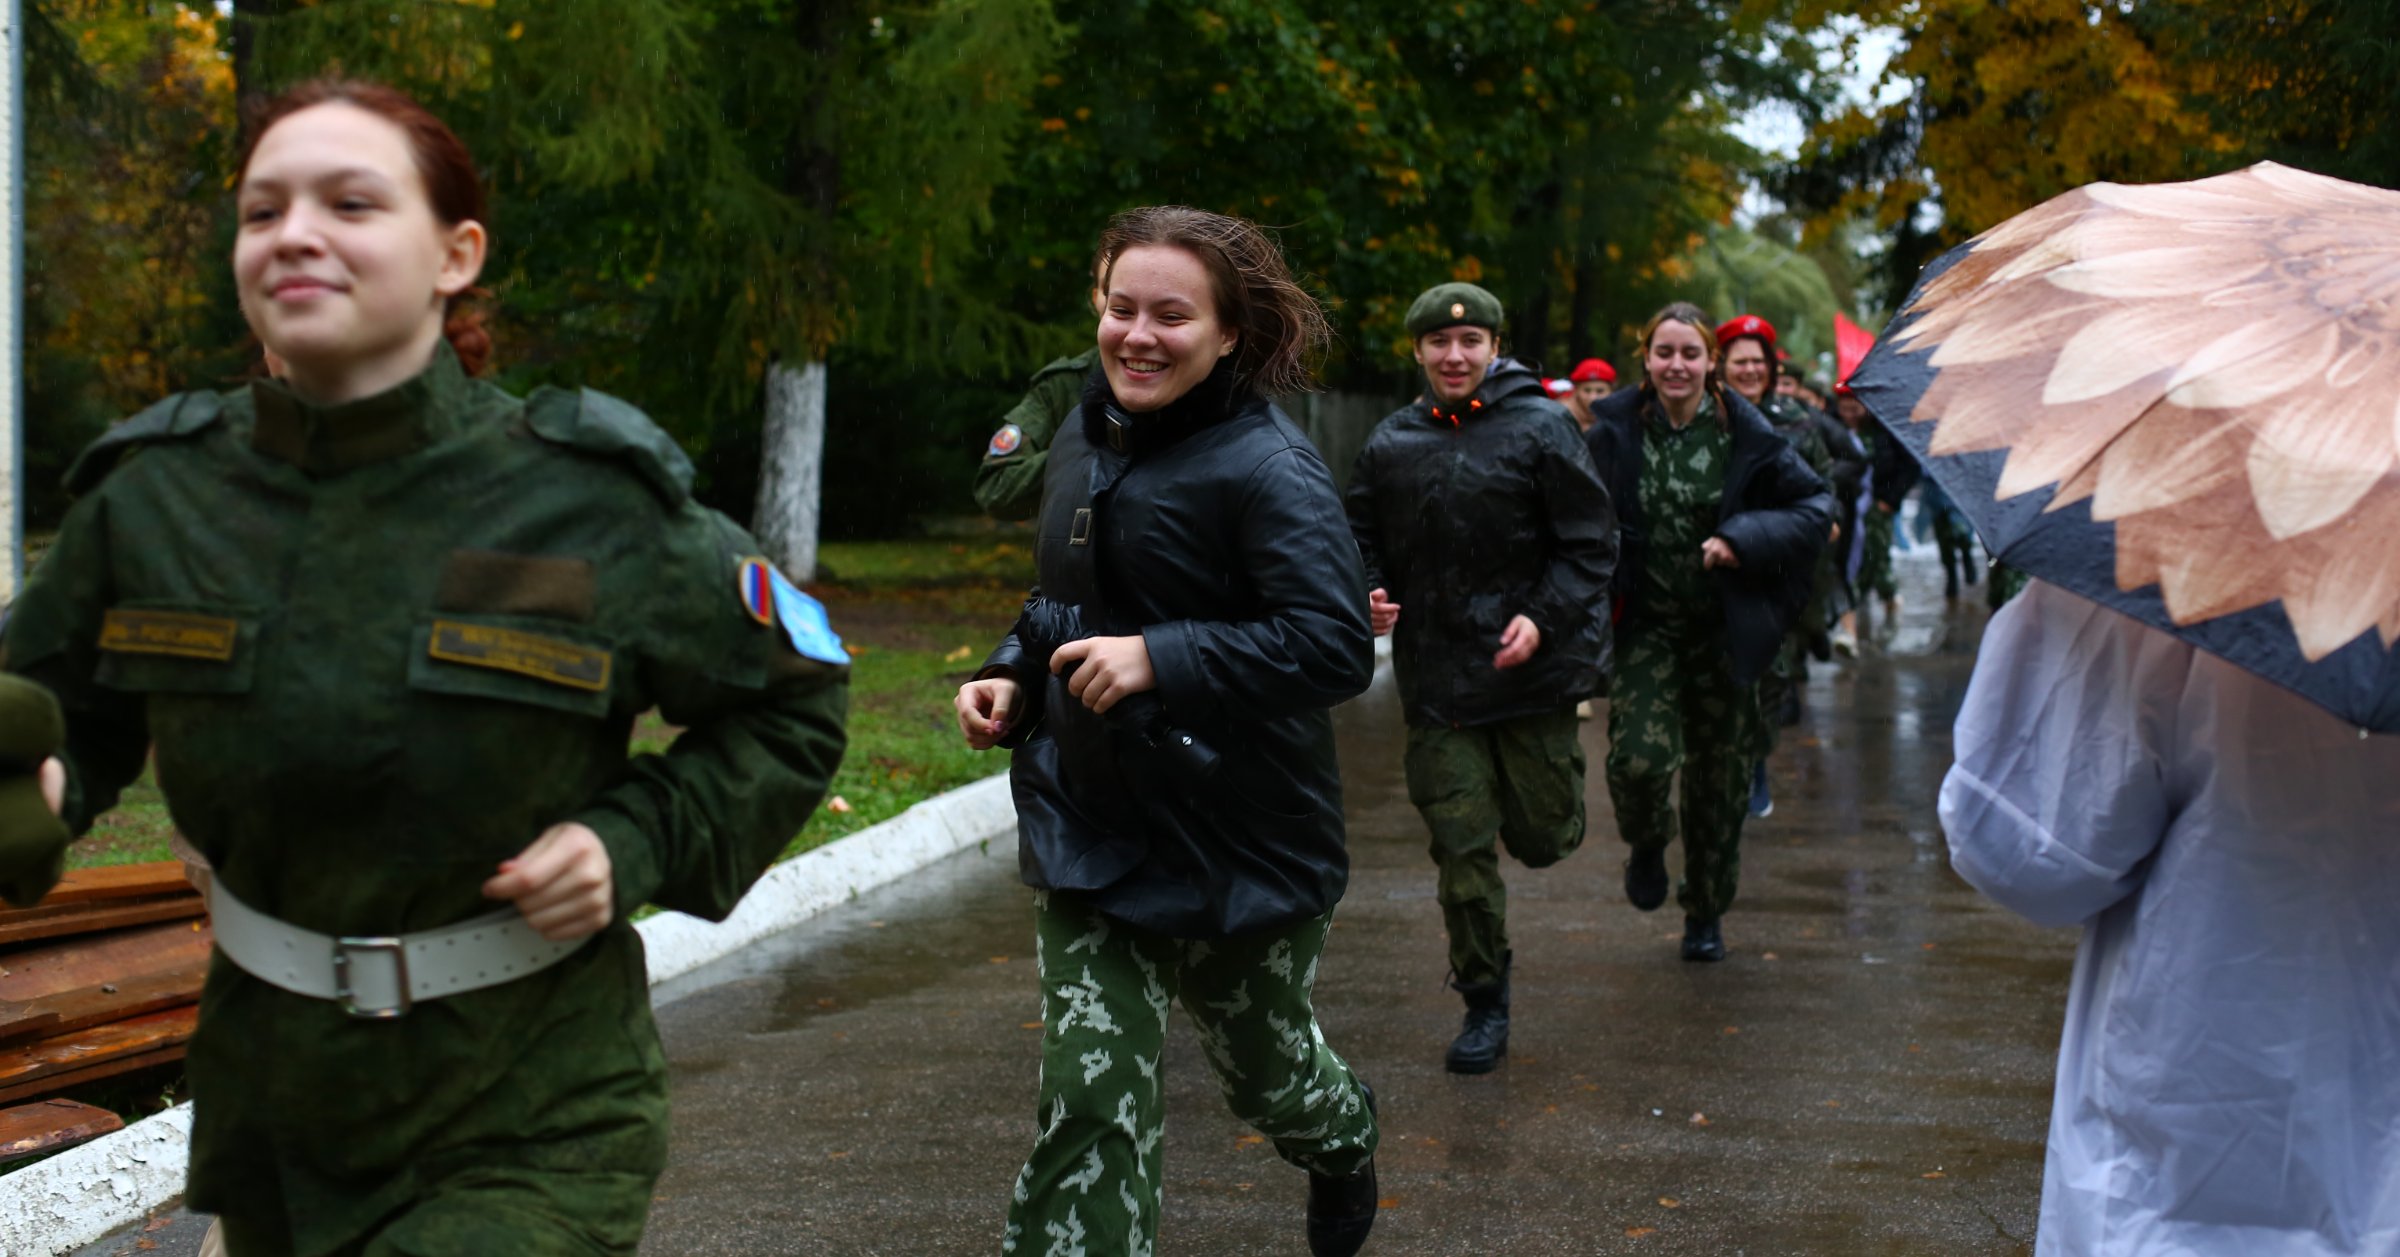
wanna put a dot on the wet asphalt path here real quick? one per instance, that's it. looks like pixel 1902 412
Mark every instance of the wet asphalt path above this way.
pixel 1868 1074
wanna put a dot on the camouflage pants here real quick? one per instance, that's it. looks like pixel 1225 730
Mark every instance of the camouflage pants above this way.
pixel 1875 567
pixel 1091 1187
pixel 1675 706
pixel 1518 782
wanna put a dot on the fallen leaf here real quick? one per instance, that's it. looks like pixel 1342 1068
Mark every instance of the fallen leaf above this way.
pixel 999 960
pixel 1249 1141
pixel 959 655
pixel 1934 1174
pixel 1388 1202
pixel 1637 1232
pixel 838 805
pixel 835 1156
pixel 1029 1025
pixel 1833 1104
pixel 145 1245
pixel 159 1224
pixel 1245 1186
pixel 1929 946
pixel 1768 955
pixel 1733 1029
pixel 1914 1048
pixel 1699 1119
pixel 1670 1202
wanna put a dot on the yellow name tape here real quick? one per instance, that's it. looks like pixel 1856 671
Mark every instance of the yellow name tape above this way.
pixel 175 633
pixel 526 654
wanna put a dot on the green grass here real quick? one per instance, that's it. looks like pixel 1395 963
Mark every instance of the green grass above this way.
pixel 919 617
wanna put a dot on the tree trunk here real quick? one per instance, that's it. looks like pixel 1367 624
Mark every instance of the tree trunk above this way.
pixel 1531 344
pixel 792 467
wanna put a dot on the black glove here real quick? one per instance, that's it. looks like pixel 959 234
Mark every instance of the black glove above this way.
pixel 33 840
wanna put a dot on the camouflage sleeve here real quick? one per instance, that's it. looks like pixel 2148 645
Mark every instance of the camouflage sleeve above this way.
pixel 1009 483
pixel 52 637
pixel 692 828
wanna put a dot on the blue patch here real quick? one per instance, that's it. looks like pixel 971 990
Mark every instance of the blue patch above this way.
pixel 805 624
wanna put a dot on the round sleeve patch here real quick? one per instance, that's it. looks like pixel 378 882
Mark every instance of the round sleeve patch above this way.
pixel 1005 441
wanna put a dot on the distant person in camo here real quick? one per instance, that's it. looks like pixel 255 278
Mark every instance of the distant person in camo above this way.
pixel 1008 484
pixel 387 629
pixel 1722 524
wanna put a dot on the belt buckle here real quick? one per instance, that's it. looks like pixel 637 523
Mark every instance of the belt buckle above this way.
pixel 343 949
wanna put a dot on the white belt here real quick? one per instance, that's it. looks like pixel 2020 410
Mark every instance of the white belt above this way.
pixel 381 976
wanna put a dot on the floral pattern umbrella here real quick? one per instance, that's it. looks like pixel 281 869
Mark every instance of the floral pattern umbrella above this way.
pixel 2181 400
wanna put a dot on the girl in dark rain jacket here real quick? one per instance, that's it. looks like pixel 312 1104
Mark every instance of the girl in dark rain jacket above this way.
pixel 1168 692
pixel 1720 524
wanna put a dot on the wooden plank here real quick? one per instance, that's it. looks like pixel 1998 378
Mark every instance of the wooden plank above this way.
pixel 26 925
pixel 130 996
pixel 83 1049
pixel 77 1077
pixel 41 970
pixel 119 881
pixel 50 1125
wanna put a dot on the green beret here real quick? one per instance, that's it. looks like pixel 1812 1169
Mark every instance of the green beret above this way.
pixel 1453 305
pixel 33 841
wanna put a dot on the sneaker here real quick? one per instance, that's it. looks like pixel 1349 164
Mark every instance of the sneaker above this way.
pixel 1646 878
pixel 1845 642
pixel 1583 710
pixel 1702 940
pixel 1762 803
pixel 1341 1208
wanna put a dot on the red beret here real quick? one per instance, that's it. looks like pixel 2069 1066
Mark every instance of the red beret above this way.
pixel 1746 325
pixel 1558 388
pixel 1593 369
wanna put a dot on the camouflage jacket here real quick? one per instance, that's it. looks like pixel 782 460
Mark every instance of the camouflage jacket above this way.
pixel 378 648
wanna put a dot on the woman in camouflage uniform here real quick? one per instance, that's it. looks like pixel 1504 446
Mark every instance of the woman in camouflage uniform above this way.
pixel 388 628
pixel 1721 523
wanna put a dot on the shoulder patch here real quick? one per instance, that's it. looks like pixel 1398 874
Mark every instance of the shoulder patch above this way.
pixel 170 419
pixel 597 423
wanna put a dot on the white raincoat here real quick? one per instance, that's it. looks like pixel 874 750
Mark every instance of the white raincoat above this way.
pixel 2229 1080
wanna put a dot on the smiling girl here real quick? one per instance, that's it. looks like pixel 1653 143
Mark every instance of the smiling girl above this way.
pixel 1721 527
pixel 387 628
pixel 1196 534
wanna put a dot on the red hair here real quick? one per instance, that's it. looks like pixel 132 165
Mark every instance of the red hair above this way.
pixel 452 187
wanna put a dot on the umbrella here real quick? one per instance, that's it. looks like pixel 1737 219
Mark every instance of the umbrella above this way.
pixel 1850 344
pixel 2182 401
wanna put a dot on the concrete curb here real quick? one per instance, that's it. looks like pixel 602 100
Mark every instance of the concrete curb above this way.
pixel 78 1197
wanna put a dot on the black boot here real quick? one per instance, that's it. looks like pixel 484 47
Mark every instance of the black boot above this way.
pixel 1646 878
pixel 1484 1040
pixel 1702 940
pixel 1341 1210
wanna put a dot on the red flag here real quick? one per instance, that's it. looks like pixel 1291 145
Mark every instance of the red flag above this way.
pixel 1850 345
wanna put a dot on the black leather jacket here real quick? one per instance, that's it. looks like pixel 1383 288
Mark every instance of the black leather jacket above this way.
pixel 1470 516
pixel 1212 529
pixel 1775 513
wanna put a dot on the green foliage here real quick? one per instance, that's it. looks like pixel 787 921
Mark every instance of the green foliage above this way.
pixel 2014 103
pixel 687 190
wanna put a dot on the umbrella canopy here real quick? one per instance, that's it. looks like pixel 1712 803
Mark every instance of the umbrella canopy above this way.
pixel 2183 401
pixel 1850 345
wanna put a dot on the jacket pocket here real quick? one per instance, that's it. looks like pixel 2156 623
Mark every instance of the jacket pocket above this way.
pixel 178 648
pixel 518 659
